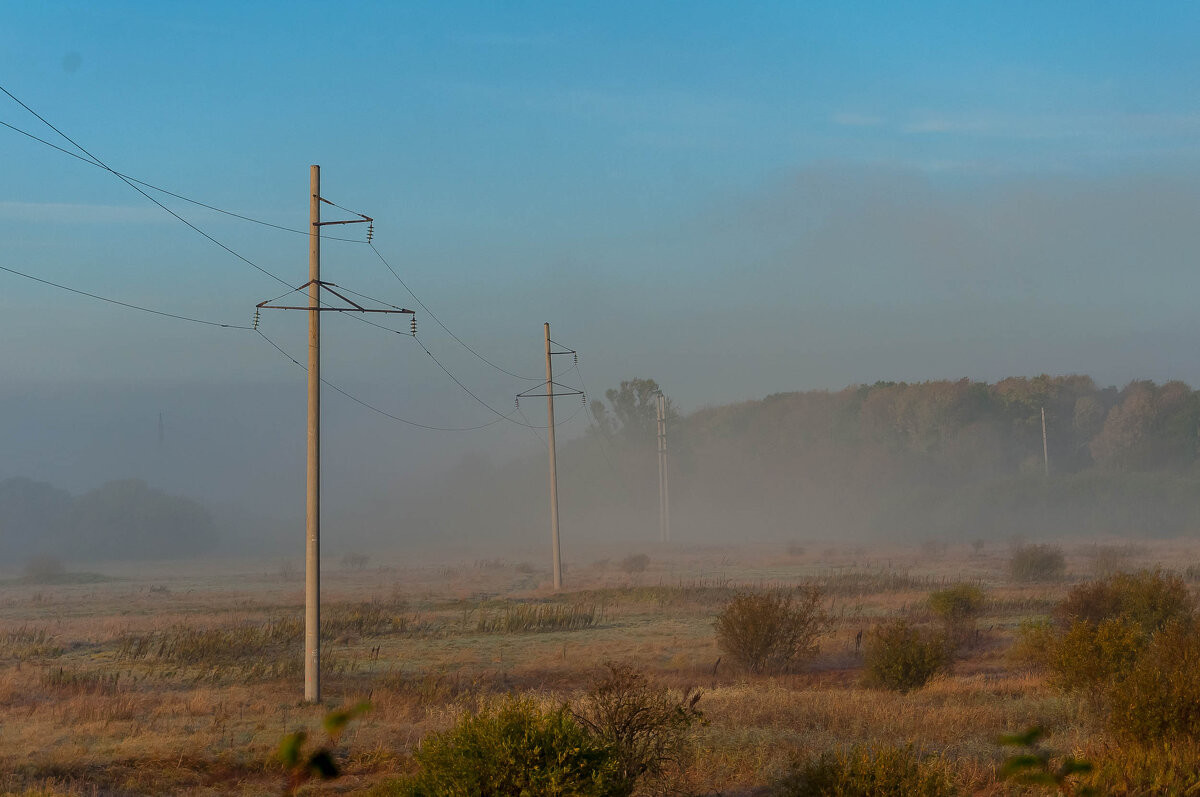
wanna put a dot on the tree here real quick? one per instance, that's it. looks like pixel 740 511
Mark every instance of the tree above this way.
pixel 31 517
pixel 634 412
pixel 130 519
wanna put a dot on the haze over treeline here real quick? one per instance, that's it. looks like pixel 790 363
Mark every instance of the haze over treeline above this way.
pixel 950 460
pixel 955 460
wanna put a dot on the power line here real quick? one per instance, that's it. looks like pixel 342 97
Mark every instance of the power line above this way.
pixel 123 304
pixel 467 390
pixel 170 193
pixel 372 407
pixel 443 326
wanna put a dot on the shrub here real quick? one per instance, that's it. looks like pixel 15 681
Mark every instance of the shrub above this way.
pixel 864 772
pixel 1037 563
pixel 1149 599
pixel 1160 697
pixel 516 748
pixel 645 726
pixel 957 607
pixel 635 563
pixel 902 657
pixel 771 631
pixel 1095 655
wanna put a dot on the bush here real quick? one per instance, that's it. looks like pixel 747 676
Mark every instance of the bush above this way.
pixel 902 657
pixel 862 772
pixel 1160 697
pixel 515 749
pixel 771 631
pixel 1037 563
pixel 957 607
pixel 645 726
pixel 1149 599
pixel 1091 656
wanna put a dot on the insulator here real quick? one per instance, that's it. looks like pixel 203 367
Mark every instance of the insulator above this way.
pixel 517 403
pixel 583 398
pixel 577 358
pixel 412 323
pixel 370 231
pixel 256 312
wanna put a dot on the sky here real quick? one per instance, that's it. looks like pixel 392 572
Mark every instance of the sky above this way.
pixel 734 199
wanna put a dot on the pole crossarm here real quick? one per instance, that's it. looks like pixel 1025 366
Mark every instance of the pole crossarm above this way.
pixel 566 391
pixel 354 307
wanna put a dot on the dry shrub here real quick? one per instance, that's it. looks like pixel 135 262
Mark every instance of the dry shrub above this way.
pixel 644 724
pixel 958 607
pixel 1091 656
pixel 901 656
pixel 1149 599
pixel 770 632
pixel 635 563
pixel 1160 696
pixel 1037 563
pixel 869 772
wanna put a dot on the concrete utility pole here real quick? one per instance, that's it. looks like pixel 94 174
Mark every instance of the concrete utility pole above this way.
pixel 312 507
pixel 550 394
pixel 312 501
pixel 1045 445
pixel 664 504
pixel 555 553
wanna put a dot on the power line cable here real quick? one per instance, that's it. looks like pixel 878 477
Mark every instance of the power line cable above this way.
pixel 372 407
pixel 168 192
pixel 466 389
pixel 119 303
pixel 443 326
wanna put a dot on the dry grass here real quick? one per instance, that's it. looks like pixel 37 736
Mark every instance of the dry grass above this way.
pixel 178 683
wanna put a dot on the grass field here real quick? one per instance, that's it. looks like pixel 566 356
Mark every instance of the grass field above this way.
pixel 183 678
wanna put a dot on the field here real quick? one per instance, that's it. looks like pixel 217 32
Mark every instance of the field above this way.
pixel 183 678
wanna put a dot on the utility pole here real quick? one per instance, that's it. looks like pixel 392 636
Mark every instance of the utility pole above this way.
pixel 1045 445
pixel 664 504
pixel 555 553
pixel 312 506
pixel 312 501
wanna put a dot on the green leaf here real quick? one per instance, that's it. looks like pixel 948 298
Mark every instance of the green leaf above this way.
pixel 1027 739
pixel 336 721
pixel 289 748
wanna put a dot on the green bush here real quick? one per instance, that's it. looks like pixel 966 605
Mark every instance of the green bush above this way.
pixel 515 749
pixel 1160 697
pixel 646 727
pixel 1037 563
pixel 864 772
pixel 771 631
pixel 901 656
pixel 1091 656
pixel 1149 599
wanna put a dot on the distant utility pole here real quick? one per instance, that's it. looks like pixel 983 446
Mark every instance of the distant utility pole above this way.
pixel 550 394
pixel 1045 445
pixel 664 504
pixel 312 506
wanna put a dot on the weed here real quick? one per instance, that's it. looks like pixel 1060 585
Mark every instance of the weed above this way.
pixel 869 772
pixel 1037 563
pixel 521 618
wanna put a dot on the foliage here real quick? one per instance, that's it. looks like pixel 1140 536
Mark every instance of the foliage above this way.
pixel 1159 698
pixel 767 632
pixel 516 749
pixel 644 724
pixel 866 772
pixel 302 766
pixel 1035 767
pixel 1037 563
pixel 901 656
pixel 1149 599
pixel 44 568
pixel 130 519
pixel 634 410
pixel 1091 656
pixel 957 607
pixel 522 618
pixel 1145 770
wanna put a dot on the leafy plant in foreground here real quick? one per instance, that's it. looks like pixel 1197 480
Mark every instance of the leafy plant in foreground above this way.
pixel 303 766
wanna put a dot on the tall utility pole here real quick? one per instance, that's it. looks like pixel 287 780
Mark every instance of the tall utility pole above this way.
pixel 664 503
pixel 1045 445
pixel 312 501
pixel 555 553
pixel 312 506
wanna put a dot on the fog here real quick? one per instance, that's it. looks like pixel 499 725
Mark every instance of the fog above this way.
pixel 815 280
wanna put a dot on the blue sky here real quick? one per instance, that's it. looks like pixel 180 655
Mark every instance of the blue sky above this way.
pixel 734 199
